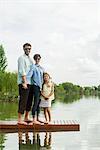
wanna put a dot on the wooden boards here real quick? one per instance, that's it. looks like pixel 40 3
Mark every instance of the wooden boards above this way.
pixel 55 126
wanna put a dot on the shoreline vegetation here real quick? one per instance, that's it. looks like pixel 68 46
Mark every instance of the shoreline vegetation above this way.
pixel 66 92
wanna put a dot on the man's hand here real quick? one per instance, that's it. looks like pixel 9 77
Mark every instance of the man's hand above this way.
pixel 24 82
pixel 24 85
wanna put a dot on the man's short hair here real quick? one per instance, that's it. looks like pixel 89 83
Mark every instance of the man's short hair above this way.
pixel 36 56
pixel 27 44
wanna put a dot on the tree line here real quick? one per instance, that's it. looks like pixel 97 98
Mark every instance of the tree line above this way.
pixel 8 80
pixel 67 90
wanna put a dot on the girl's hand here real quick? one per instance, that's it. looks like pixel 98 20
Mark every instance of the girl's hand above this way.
pixel 46 98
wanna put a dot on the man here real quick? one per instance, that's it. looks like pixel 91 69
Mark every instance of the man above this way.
pixel 24 83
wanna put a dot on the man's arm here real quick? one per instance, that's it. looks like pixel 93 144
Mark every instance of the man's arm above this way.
pixel 22 72
pixel 24 82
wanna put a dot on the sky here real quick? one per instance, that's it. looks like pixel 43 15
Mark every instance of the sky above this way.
pixel 65 32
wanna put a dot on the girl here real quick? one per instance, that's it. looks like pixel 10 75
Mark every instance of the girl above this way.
pixel 47 95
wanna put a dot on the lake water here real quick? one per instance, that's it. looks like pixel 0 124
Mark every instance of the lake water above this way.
pixel 85 110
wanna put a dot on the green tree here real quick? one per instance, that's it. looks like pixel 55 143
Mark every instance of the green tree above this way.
pixel 3 59
pixel 8 86
pixel 59 91
pixel 99 88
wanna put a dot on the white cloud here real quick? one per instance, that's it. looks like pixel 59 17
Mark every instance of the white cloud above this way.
pixel 65 33
pixel 87 65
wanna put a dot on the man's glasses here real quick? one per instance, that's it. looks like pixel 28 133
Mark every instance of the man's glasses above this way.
pixel 27 48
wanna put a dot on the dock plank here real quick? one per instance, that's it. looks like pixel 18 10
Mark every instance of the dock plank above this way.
pixel 55 126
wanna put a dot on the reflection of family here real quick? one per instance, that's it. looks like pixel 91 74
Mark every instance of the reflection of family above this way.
pixel 34 142
pixel 33 81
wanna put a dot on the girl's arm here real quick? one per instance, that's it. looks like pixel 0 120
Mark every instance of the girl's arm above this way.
pixel 44 95
pixel 52 91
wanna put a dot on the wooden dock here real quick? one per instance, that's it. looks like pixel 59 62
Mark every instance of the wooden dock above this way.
pixel 55 126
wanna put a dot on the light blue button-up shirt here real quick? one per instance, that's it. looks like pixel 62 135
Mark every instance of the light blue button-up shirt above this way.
pixel 37 75
pixel 24 66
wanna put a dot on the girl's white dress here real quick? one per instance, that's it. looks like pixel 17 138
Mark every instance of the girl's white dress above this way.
pixel 47 89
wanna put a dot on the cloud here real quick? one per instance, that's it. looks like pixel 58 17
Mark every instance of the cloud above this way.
pixel 87 65
pixel 65 33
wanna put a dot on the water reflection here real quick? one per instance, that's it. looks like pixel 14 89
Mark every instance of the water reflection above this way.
pixel 28 143
pixel 87 111
pixel 2 140
pixel 70 98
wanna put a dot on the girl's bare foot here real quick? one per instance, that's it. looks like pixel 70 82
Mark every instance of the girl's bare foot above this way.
pixel 49 122
pixel 46 122
pixel 40 121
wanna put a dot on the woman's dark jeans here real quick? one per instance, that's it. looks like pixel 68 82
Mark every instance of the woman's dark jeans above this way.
pixel 34 91
pixel 35 107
